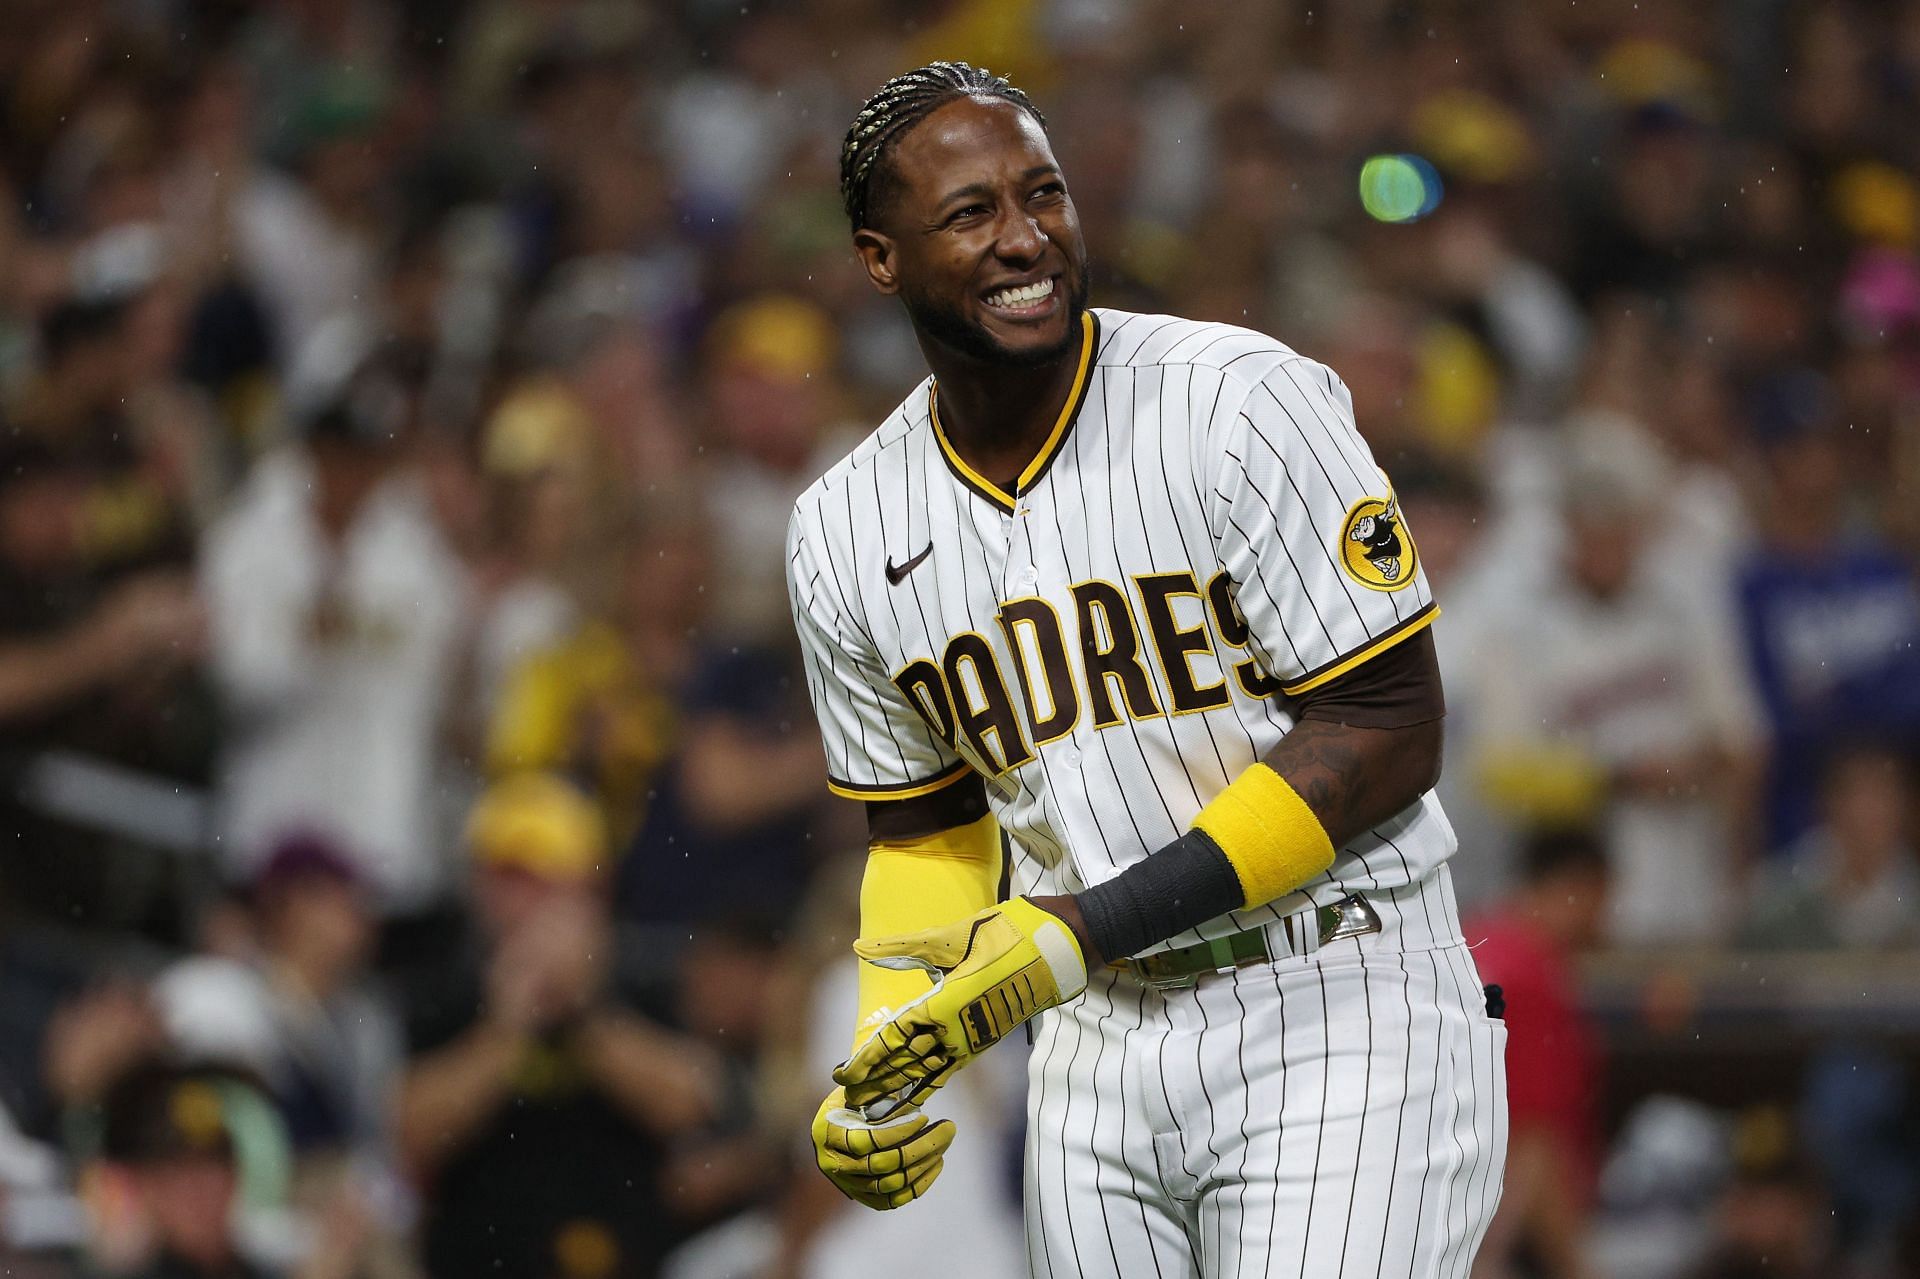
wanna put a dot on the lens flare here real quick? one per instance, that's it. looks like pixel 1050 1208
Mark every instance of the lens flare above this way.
pixel 1399 188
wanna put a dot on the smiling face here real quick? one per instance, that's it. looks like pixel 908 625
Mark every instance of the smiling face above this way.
pixel 972 227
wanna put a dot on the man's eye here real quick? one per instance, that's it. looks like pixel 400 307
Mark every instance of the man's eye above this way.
pixel 970 211
pixel 1050 189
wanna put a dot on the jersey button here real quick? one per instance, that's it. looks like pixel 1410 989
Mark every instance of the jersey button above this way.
pixel 1028 576
pixel 1070 757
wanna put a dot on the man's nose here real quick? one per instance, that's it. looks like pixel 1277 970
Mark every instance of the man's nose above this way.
pixel 1021 239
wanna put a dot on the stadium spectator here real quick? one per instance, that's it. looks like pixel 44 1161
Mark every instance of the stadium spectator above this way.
pixel 1830 613
pixel 597 703
pixel 539 1104
pixel 1612 696
pixel 173 1129
pixel 1852 881
pixel 724 997
pixel 336 610
pixel 298 1014
pixel 775 406
pixel 308 242
pixel 1527 947
pixel 103 714
pixel 538 547
pixel 1769 1221
pixel 170 1128
pixel 735 807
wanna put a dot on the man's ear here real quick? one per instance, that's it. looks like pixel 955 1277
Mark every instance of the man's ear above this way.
pixel 877 256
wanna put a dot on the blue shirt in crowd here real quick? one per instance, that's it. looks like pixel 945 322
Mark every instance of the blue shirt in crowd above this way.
pixel 1834 641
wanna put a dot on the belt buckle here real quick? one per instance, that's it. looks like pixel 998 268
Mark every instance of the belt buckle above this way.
pixel 1351 916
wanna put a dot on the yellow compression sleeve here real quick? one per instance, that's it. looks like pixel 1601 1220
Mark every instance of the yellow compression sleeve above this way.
pixel 1269 834
pixel 913 884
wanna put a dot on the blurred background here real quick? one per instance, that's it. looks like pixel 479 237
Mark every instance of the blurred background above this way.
pixel 416 862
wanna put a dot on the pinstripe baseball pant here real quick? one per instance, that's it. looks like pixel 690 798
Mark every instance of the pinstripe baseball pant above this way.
pixel 1334 1114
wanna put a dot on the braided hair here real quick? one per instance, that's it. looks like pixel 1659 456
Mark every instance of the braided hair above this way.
pixel 895 108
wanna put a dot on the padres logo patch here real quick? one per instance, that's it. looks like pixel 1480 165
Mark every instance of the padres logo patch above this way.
pixel 1375 549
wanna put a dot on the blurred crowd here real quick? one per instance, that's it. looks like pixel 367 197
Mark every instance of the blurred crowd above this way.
pixel 417 863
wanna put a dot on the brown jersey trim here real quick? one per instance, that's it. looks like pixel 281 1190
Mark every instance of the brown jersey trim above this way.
pixel 1398 689
pixel 1372 648
pixel 928 814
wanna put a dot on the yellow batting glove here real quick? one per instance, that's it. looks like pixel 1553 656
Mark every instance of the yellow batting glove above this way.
pixel 881 1163
pixel 990 974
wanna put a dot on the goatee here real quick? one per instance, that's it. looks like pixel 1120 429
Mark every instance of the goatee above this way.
pixel 952 329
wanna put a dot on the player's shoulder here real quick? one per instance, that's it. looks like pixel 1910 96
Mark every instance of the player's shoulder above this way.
pixel 883 446
pixel 1241 355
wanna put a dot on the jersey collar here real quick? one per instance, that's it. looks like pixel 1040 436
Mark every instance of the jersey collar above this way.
pixel 1089 338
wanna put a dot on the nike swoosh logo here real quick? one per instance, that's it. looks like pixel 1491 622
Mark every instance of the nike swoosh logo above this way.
pixel 895 576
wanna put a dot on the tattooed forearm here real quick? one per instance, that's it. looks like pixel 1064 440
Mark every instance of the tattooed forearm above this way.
pixel 1355 778
pixel 1352 778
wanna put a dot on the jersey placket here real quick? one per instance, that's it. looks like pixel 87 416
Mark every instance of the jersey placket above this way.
pixel 1029 555
pixel 993 536
pixel 1018 573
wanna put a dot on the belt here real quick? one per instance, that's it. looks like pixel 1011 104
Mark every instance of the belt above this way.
pixel 1351 916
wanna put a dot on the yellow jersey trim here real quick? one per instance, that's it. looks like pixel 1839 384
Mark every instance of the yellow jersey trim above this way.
pixel 1334 670
pixel 985 487
pixel 905 790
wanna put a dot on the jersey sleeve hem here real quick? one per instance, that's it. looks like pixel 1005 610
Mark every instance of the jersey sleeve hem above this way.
pixel 902 790
pixel 1372 648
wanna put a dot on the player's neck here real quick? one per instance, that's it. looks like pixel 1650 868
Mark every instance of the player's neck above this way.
pixel 997 416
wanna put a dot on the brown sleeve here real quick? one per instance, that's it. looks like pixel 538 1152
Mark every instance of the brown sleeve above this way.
pixel 1397 689
pixel 960 804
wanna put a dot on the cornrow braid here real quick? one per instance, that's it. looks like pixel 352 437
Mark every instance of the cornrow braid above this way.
pixel 896 107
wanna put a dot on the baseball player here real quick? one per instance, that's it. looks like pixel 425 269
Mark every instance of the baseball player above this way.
pixel 1127 597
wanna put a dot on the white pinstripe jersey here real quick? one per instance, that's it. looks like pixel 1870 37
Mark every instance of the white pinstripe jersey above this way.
pixel 1203 535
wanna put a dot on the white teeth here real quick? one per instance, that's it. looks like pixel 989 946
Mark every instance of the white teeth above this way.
pixel 1025 295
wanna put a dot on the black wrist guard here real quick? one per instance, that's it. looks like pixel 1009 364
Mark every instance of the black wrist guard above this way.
pixel 1180 886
